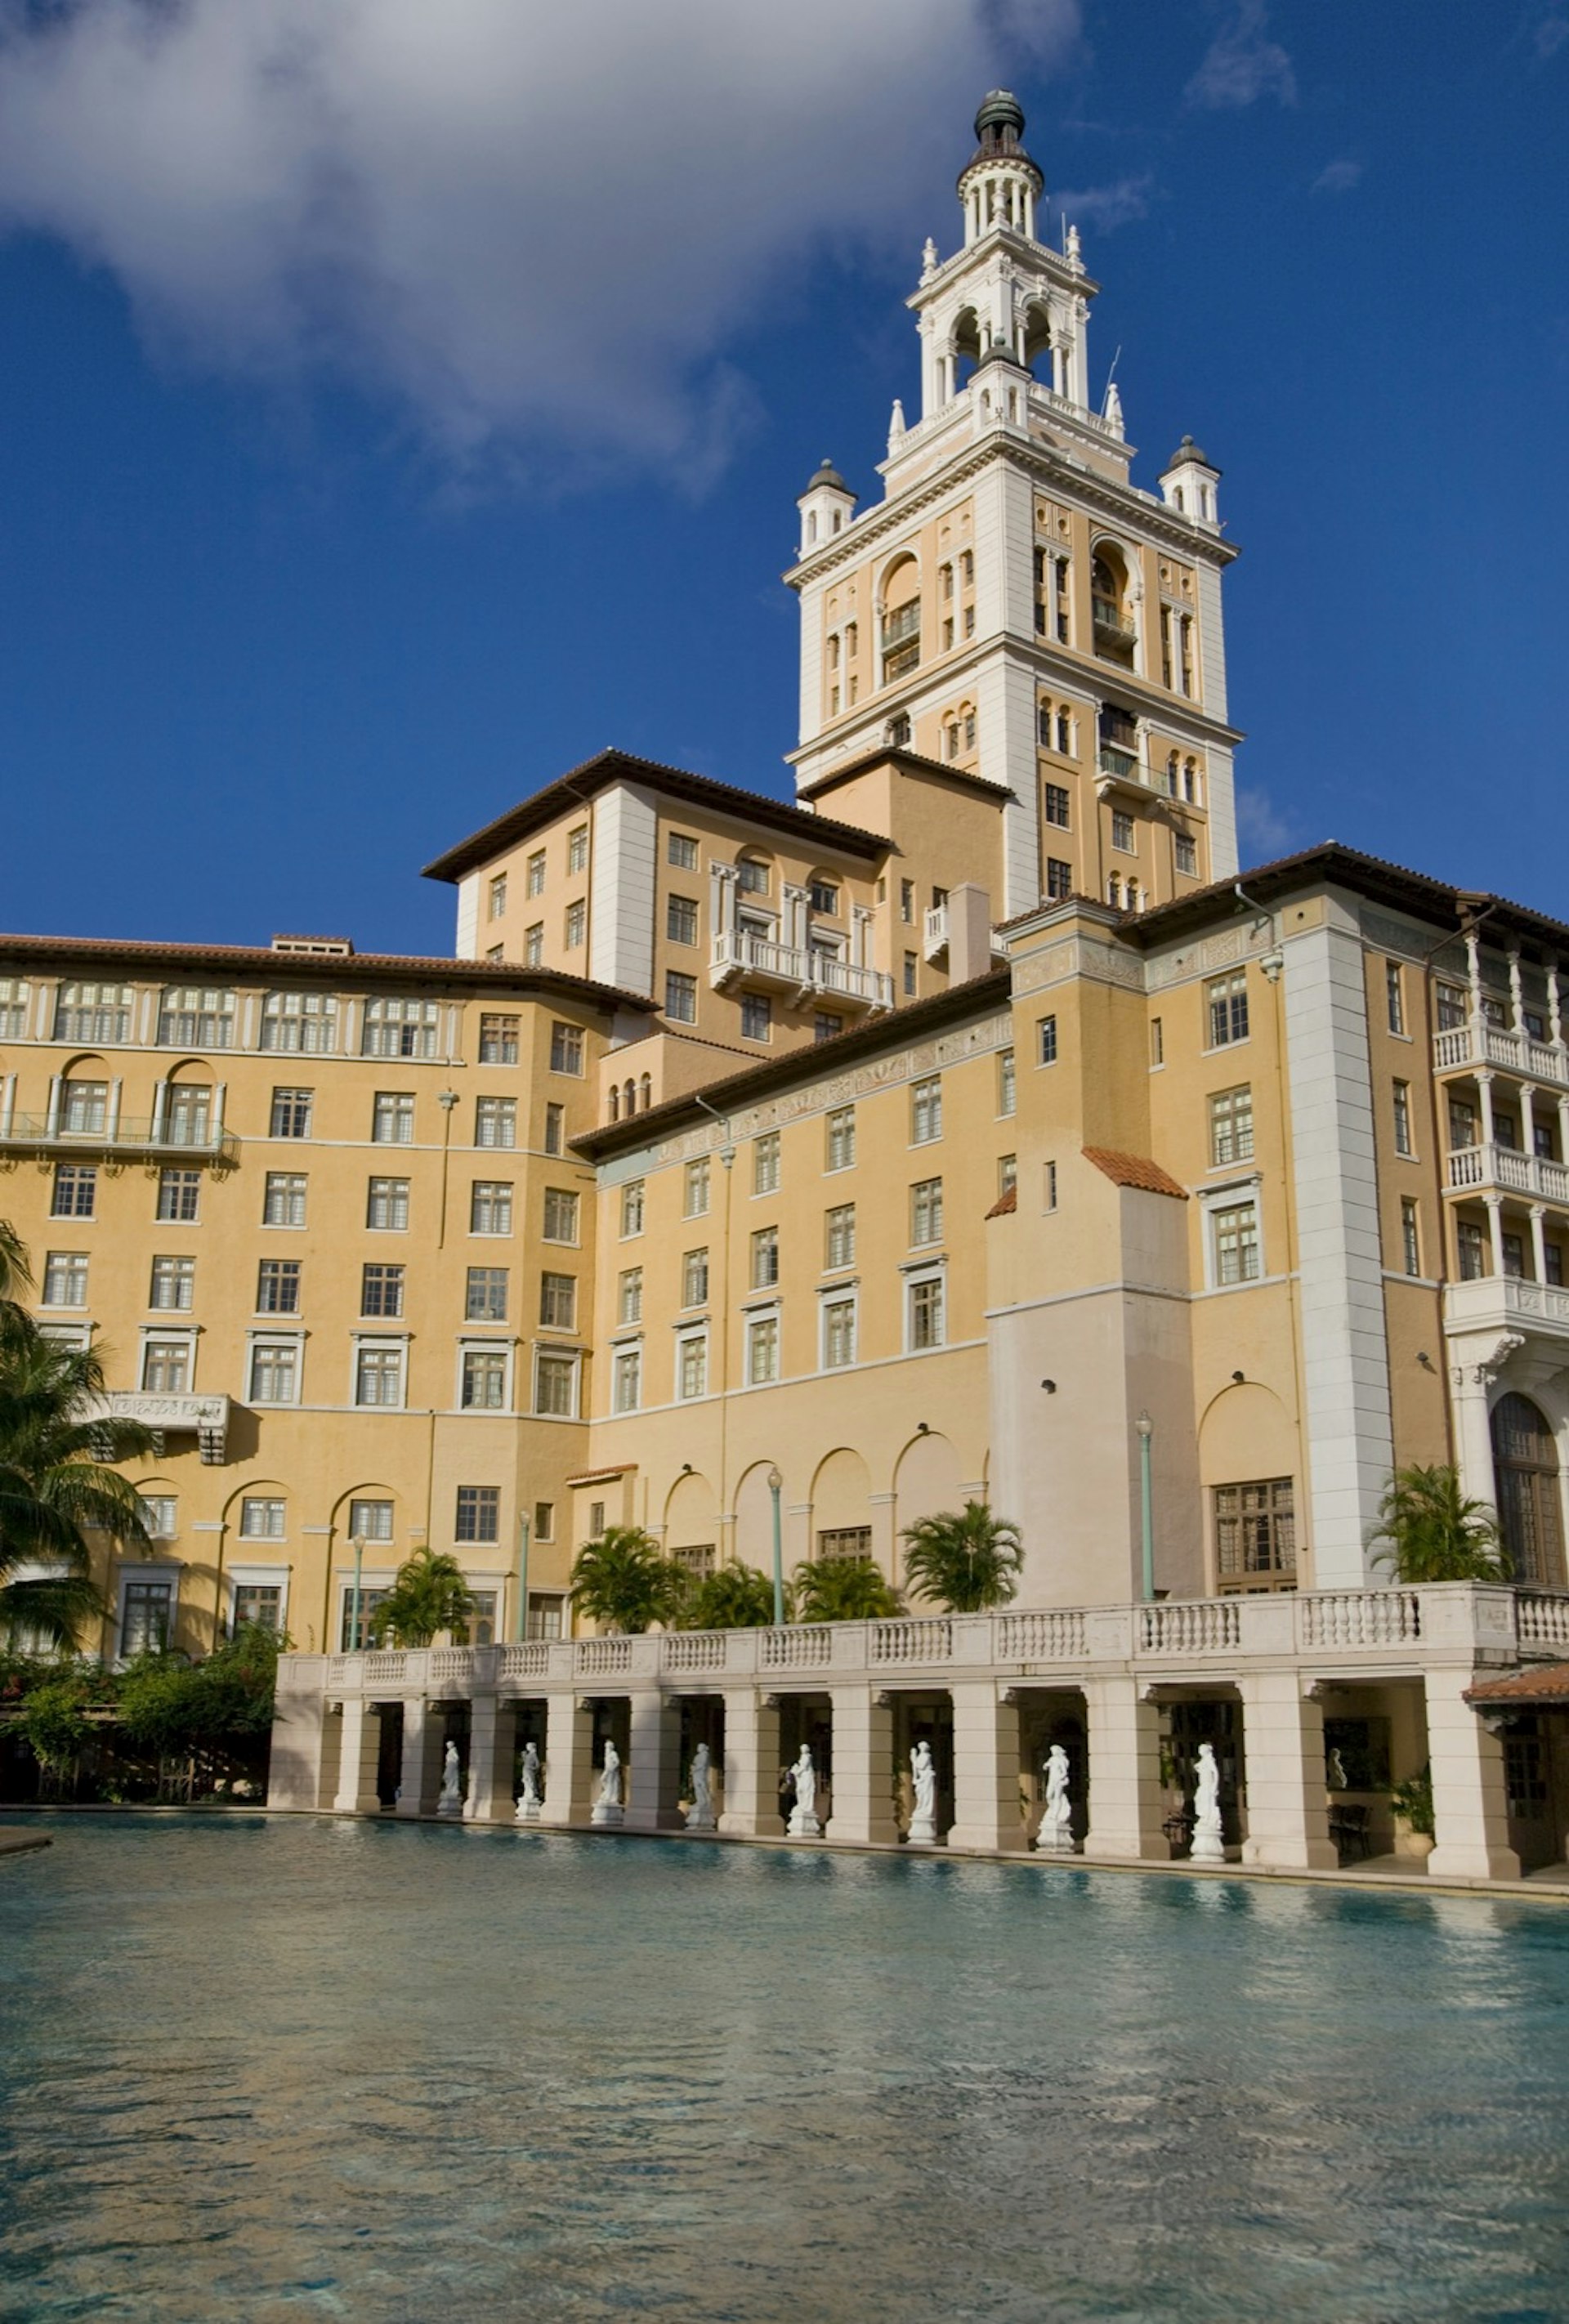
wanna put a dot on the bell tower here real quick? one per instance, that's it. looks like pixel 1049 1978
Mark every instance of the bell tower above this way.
pixel 1013 609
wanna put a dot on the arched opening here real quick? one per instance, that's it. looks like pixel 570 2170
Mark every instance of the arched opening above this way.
pixel 188 1106
pixel 692 1525
pixel 1531 1502
pixel 1041 354
pixel 842 1507
pixel 900 618
pixel 964 349
pixel 1111 604
pixel 646 1087
pixel 615 1102
pixel 84 1098
pixel 925 1483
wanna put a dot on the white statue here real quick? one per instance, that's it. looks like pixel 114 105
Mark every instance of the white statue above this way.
pixel 928 259
pixel 1075 256
pixel 450 1803
pixel 1208 1845
pixel 1115 407
pixel 531 1798
pixel 923 1776
pixel 802 1823
pixel 896 427
pixel 700 1814
pixel 1056 1834
pixel 607 1807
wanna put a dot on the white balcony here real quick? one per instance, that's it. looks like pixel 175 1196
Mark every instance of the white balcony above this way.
pixel 1506 1303
pixel 935 933
pixel 1471 1044
pixel 756 964
pixel 205 1418
pixel 1506 1170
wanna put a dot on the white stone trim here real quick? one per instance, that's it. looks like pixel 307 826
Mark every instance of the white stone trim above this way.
pixel 623 872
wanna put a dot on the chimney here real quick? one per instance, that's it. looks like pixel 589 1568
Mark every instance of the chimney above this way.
pixel 969 932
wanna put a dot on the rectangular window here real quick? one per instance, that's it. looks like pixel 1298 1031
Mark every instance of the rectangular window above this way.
pixel 381 1289
pixel 633 1196
pixel 1462 1124
pixel 765 1163
pixel 1453 1009
pixel 560 1215
pixel 166 1367
pixel 555 1129
pixel 839 1542
pixel 566 1048
pixel 556 1386
pixel 544 1521
pixel 839 1236
pixel 826 1025
pixel 559 1302
pixel 695 1190
pixel 283 1199
pixel 1514 1252
pixel 277 1286
pixel 909 975
pixel 490 1207
pixel 1059 880
pixel 400 1028
pixel 1410 1237
pixel 353 1638
pixel 926 1212
pixel 751 876
pixel 1186 854
pixel 1231 1126
pixel 926 1312
pixel 173 1285
pixel 681 998
pixel 83 1108
pixel 179 1196
pixel 379 1377
pixel 262 1517
pixel 629 1302
pixel 370 1521
pixel 1157 1041
pixel 1007 1084
pixel 1470 1250
pixel 756 1017
pixel 1235 1231
pixel 392 1118
pixel 907 902
pixel 680 851
pixel 534 879
pixel 274 1371
pixel 841 1137
pixel 1048 1187
pixel 498 895
pixel 88 1016
pixel 1045 1040
pixel 926 1111
pixel 1058 807
pixel 484 1379
pixel 1402 1093
pixel 575 926
pixel 291 1112
pixel 764 1259
pixel 692 1367
pixel 187 1115
pixel 694 1279
pixel 258 1605
pixel 578 849
pixel 495 1122
pixel 761 1351
pixel 498 1040
pixel 1123 838
pixel 1255 1530
pixel 161 1515
pixel 478 1515
pixel 1395 995
pixel 65 1279
pixel 1227 1001
pixel 626 1379
pixel 387 1204
pixel 681 919
pixel 838 1334
pixel 1007 1175
pixel 824 897
pixel 486 1296
pixel 534 944
pixel 76 1191
pixel 146 1611
pixel 194 1018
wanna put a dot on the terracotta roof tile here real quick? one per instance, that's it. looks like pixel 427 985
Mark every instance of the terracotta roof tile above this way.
pixel 1134 1170
pixel 1539 1683
pixel 1005 1204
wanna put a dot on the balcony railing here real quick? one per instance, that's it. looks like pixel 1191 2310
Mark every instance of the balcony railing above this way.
pixel 1506 1303
pixel 1111 621
pixel 935 934
pixel 758 960
pixel 1460 1046
pixel 1507 1168
pixel 34 1133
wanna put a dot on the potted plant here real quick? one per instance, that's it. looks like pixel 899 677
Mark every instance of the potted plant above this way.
pixel 1412 1803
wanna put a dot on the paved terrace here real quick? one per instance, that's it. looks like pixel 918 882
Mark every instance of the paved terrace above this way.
pixel 1278 1659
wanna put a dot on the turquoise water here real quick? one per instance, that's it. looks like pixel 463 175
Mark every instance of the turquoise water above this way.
pixel 289 2069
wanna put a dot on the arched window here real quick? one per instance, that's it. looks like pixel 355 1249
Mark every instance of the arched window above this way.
pixel 1133 895
pixel 964 349
pixel 615 1102
pixel 1192 787
pixel 952 735
pixel 1065 733
pixel 1114 891
pixel 1530 1503
pixel 648 1092
pixel 1110 610
pixel 1039 353
pixel 1046 719
pixel 901 619
pixel 629 1099
pixel 1173 789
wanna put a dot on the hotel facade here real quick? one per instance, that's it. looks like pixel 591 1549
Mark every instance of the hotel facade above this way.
pixel 966 1129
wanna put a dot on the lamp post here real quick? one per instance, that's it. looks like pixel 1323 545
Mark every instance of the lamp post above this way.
pixel 523 1577
pixel 1146 1428
pixel 775 1482
pixel 356 1644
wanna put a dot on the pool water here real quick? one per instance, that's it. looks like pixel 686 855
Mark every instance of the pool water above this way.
pixel 277 2069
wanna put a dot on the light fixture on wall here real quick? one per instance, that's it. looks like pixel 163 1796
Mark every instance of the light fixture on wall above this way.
pixel 921 1429
pixel 1239 1379
pixel 1049 1386
pixel 1425 1360
pixel 686 1468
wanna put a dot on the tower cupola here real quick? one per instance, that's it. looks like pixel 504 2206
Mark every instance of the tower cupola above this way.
pixel 1001 185
pixel 826 507
pixel 1188 484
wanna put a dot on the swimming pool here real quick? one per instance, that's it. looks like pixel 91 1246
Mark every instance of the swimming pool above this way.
pixel 287 2069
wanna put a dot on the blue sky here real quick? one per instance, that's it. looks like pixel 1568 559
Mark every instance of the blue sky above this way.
pixel 364 464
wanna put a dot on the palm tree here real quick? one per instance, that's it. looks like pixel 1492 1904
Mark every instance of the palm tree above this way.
pixel 844 1590
pixel 965 1562
pixel 623 1580
pixel 56 1488
pixel 429 1594
pixel 737 1598
pixel 1432 1532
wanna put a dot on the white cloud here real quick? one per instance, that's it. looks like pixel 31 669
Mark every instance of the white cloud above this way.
pixel 531 229
pixel 1337 178
pixel 1106 207
pixel 1550 35
pixel 1243 64
pixel 1262 832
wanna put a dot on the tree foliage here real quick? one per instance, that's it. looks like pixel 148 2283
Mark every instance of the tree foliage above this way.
pixel 429 1594
pixel 966 1559
pixel 169 1706
pixel 54 1720
pixel 1428 1530
pixel 624 1582
pixel 844 1590
pixel 735 1598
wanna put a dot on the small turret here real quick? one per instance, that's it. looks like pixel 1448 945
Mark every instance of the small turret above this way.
pixel 826 507
pixel 1188 485
pixel 1001 185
